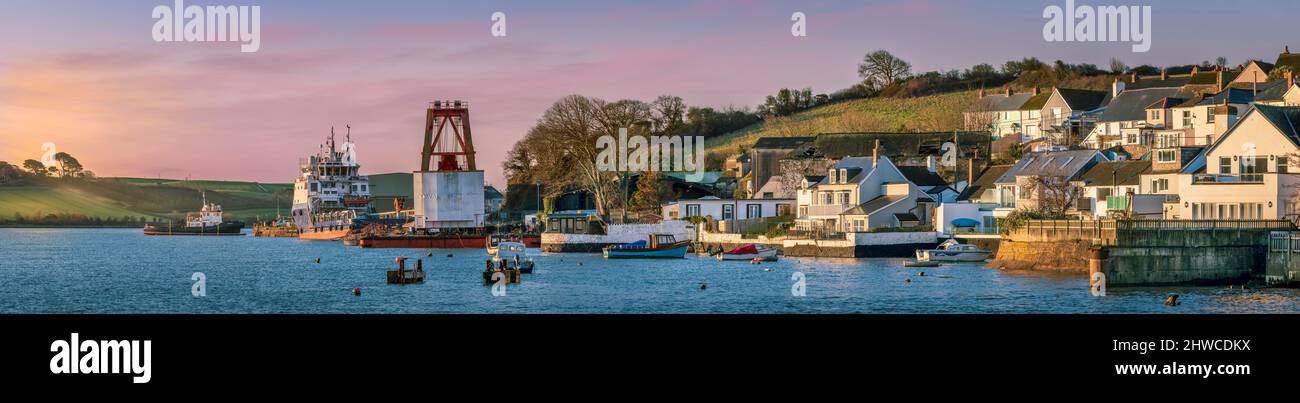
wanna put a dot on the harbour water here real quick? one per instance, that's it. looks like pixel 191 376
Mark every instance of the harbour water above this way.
pixel 122 271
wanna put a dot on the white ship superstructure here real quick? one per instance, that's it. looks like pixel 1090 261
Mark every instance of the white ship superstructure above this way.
pixel 330 193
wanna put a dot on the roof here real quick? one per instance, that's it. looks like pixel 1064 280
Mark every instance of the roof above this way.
pixel 855 167
pixel 814 178
pixel 1286 118
pixel 840 145
pixel 1132 104
pixel 1272 90
pixel 1166 103
pixel 1170 81
pixel 984 181
pixel 491 192
pixel 1126 173
pixel 906 217
pixel 1212 77
pixel 921 176
pixel 1082 100
pixel 1036 102
pixel 1288 59
pixel 782 143
pixel 1050 163
pixel 1002 102
pixel 871 206
pixel 1232 95
pixel 772 186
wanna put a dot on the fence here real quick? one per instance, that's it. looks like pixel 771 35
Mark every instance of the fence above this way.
pixel 1107 232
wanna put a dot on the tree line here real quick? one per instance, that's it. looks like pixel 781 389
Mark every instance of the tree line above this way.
pixel 65 166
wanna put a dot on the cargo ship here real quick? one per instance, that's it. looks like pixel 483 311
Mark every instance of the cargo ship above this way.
pixel 206 222
pixel 331 198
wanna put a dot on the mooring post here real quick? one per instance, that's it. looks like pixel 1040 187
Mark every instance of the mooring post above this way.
pixel 1097 256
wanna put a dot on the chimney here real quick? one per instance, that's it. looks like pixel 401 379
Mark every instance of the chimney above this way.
pixel 970 173
pixel 981 93
pixel 1290 79
pixel 1219 80
pixel 1196 70
pixel 929 163
pixel 1116 88
pixel 1133 77
pixel 1009 92
pixel 875 154
pixel 1164 74
pixel 1037 91
pixel 1286 50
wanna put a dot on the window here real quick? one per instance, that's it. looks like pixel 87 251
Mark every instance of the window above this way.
pixel 1225 165
pixel 782 209
pixel 1209 115
pixel 753 210
pixel 858 225
pixel 692 210
pixel 1166 156
pixel 830 177
pixel 1056 112
pixel 828 198
pixel 803 211
pixel 1155 114
pixel 844 198
pixel 1187 118
pixel 844 175
pixel 728 211
pixel 1283 166
pixel 1252 168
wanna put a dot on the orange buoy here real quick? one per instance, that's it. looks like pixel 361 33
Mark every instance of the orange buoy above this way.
pixel 356 290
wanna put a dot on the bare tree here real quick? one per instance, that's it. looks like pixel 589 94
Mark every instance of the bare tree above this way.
pixel 1055 195
pixel 1117 66
pixel 881 68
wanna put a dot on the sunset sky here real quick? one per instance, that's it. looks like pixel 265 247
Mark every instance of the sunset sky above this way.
pixel 88 76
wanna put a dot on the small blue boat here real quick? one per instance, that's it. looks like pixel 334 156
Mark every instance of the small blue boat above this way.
pixel 660 246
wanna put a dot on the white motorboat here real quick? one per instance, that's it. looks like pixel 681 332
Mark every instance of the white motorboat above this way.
pixel 749 252
pixel 953 251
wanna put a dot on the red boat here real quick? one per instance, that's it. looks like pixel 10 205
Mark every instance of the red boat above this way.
pixel 435 241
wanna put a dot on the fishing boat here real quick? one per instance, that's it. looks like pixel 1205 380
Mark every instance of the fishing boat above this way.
pixel 659 246
pixel 515 254
pixel 207 221
pixel 953 251
pixel 749 252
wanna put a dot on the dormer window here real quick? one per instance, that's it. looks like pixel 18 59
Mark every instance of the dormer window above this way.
pixel 844 175
pixel 830 177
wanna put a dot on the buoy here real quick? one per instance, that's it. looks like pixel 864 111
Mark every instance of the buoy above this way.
pixel 909 281
pixel 317 260
pixel 397 259
pixel 1172 300
pixel 448 255
pixel 922 274
pixel 767 269
pixel 429 255
pixel 356 290
pixel 703 286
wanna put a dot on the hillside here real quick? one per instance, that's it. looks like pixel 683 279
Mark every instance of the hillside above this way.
pixel 136 199
pixel 927 113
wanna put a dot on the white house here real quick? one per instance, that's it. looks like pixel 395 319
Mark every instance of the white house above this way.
pixel 859 194
pixel 1246 173
pixel 727 209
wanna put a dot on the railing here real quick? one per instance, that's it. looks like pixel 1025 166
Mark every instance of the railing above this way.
pixel 1284 242
pixel 1098 231
pixel 1223 178
pixel 1129 225
pixel 825 210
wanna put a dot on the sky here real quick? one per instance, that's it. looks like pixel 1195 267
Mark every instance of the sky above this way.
pixel 89 77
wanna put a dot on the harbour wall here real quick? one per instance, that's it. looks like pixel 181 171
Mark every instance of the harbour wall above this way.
pixel 1145 253
pixel 616 234
pixel 863 244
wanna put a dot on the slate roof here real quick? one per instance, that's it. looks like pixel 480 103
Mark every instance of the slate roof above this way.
pixel 1066 164
pixel 782 143
pixel 490 192
pixel 1286 118
pixel 985 181
pixel 1166 103
pixel 1127 173
pixel 873 205
pixel 1002 102
pixel 1271 90
pixel 1132 104
pixel 839 145
pixel 1170 81
pixel 1082 100
pixel 1291 60
pixel 1232 95
pixel 921 176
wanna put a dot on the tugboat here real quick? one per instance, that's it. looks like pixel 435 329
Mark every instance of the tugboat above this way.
pixel 207 221
pixel 331 198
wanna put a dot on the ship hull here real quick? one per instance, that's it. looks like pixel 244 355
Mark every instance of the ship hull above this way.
pixel 434 242
pixel 327 235
pixel 224 229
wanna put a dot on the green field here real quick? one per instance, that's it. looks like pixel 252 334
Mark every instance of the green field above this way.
pixel 931 113
pixel 116 198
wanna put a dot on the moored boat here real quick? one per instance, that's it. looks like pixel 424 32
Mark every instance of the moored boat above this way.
pixel 749 252
pixel 953 251
pixel 515 255
pixel 331 198
pixel 659 246
pixel 206 222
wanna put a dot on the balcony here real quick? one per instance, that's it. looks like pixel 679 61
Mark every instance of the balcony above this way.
pixel 828 210
pixel 1227 179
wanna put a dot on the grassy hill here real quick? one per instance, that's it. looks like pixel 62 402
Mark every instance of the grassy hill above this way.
pixel 147 199
pixel 921 114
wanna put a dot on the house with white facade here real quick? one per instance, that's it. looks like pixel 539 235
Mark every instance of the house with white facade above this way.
pixel 1246 173
pixel 859 194
pixel 727 209
pixel 1015 186
pixel 1000 114
pixel 1113 188
pixel 1279 92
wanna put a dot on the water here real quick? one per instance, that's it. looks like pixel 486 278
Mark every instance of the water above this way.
pixel 123 271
